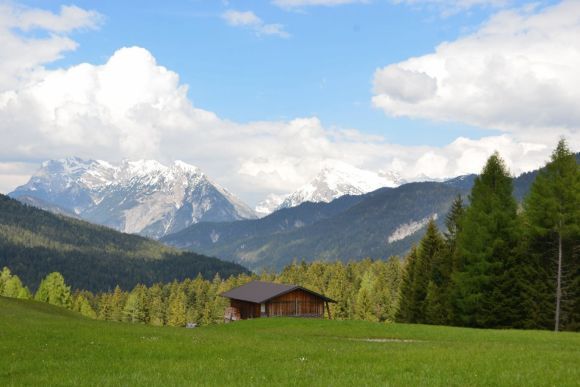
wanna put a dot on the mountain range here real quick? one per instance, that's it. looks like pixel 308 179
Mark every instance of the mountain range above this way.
pixel 379 224
pixel 140 197
pixel 34 242
pixel 334 180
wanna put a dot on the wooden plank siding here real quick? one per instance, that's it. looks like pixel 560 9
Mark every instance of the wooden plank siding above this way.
pixel 246 309
pixel 295 303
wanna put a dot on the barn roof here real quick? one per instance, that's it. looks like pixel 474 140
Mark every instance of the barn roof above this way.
pixel 259 291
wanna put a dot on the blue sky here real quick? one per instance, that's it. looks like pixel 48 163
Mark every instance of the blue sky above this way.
pixel 421 88
pixel 324 68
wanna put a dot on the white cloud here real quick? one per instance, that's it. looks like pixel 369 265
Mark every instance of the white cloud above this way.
pixel 131 106
pixel 309 3
pixel 23 53
pixel 518 73
pixel 249 19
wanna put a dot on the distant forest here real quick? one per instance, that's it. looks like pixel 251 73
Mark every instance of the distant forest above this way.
pixel 34 243
pixel 497 265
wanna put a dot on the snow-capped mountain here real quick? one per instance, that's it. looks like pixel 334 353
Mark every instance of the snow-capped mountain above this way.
pixel 144 197
pixel 269 205
pixel 337 179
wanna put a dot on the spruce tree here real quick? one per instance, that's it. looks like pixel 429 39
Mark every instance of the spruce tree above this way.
pixel 552 212
pixel 446 265
pixel 176 314
pixel 156 306
pixel 117 304
pixel 407 312
pixel 486 294
pixel 430 250
pixel 365 299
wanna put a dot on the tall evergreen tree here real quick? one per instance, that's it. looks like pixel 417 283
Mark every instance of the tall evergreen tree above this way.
pixel 488 289
pixel 407 308
pixel 552 212
pixel 445 266
pixel 176 314
pixel 430 250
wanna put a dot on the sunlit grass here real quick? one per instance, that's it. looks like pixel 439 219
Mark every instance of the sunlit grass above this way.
pixel 43 345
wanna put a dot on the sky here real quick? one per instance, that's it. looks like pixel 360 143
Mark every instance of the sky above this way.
pixel 260 95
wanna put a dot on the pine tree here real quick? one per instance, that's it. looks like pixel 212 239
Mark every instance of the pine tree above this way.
pixel 105 308
pixel 445 266
pixel 430 249
pixel 488 288
pixel 54 290
pixel 156 306
pixel 552 212
pixel 136 307
pixel 365 300
pixel 117 304
pixel 176 314
pixel 407 308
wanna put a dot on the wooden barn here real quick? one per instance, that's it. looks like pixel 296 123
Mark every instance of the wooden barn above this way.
pixel 267 299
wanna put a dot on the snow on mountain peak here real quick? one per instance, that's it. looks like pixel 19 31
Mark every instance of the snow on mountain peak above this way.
pixel 336 179
pixel 269 205
pixel 181 165
pixel 142 196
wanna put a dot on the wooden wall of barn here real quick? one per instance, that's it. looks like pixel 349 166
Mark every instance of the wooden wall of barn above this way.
pixel 246 309
pixel 296 303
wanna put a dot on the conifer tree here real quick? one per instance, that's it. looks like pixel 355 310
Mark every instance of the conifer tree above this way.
pixel 82 305
pixel 407 309
pixel 439 298
pixel 552 212
pixel 136 307
pixel 365 300
pixel 486 290
pixel 156 306
pixel 54 290
pixel 104 306
pixel 117 304
pixel 4 277
pixel 11 286
pixel 430 249
pixel 176 314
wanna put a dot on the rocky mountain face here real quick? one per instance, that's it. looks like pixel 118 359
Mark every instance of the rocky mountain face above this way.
pixel 378 224
pixel 142 197
pixel 336 179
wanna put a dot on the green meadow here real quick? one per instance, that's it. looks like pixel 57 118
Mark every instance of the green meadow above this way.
pixel 43 345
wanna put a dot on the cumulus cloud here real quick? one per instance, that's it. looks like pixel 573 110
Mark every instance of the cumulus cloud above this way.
pixel 23 52
pixel 249 19
pixel 518 73
pixel 130 106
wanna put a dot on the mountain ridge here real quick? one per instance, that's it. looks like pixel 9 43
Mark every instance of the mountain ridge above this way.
pixel 143 197
pixel 34 242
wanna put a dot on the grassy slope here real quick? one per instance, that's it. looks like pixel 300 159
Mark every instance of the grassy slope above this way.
pixel 44 345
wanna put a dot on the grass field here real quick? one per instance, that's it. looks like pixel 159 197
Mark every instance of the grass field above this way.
pixel 42 345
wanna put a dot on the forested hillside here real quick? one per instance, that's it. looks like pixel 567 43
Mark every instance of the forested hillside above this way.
pixel 34 243
pixel 379 224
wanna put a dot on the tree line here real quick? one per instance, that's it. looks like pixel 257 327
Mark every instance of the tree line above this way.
pixel 500 264
pixel 365 290
pixel 497 265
